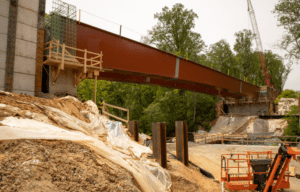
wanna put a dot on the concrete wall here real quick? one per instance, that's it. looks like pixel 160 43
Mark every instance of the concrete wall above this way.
pixel 64 82
pixel 4 9
pixel 257 109
pixel 26 45
pixel 23 68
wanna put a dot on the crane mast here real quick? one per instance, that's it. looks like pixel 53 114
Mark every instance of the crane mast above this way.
pixel 259 45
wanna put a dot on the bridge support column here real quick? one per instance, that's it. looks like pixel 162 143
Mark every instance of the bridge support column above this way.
pixel 134 130
pixel 159 143
pixel 181 133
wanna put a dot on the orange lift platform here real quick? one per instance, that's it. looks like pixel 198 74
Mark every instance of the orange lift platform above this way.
pixel 258 170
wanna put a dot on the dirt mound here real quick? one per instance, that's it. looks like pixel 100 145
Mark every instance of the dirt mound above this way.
pixel 43 165
pixel 69 106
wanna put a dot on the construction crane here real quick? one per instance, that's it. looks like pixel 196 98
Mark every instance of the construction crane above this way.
pixel 259 45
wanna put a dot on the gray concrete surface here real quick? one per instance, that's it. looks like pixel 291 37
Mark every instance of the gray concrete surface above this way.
pixel 63 83
pixel 4 8
pixel 3 42
pixel 3 24
pixel 253 109
pixel 26 45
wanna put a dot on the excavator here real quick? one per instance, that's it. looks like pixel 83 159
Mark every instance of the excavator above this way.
pixel 263 173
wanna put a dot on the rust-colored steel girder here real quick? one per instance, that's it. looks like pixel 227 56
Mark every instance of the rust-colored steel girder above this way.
pixel 129 57
pixel 112 76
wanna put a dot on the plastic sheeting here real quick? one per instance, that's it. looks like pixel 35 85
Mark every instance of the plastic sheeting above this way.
pixel 40 127
pixel 118 137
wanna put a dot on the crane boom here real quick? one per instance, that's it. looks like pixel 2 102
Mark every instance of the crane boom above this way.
pixel 259 45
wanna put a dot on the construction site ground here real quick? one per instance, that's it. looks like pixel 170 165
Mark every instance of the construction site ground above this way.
pixel 208 157
pixel 70 165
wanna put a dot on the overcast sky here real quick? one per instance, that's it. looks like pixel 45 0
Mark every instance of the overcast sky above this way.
pixel 218 19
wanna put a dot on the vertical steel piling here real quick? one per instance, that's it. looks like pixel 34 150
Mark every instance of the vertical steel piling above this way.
pixel 181 132
pixel 134 130
pixel 159 143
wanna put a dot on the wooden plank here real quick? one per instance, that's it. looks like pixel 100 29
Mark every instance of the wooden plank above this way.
pixel 85 55
pixel 96 57
pixel 128 115
pixel 97 63
pixel 57 50
pixel 101 55
pixel 104 112
pixel 95 92
pixel 96 72
pixel 79 16
pixel 62 66
pixel 54 79
pixel 123 109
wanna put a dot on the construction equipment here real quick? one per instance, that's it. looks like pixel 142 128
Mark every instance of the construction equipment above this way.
pixel 258 170
pixel 259 45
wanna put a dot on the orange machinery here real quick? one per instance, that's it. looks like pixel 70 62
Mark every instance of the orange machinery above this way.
pixel 258 170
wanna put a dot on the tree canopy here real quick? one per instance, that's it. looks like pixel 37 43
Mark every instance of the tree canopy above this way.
pixel 173 32
pixel 288 14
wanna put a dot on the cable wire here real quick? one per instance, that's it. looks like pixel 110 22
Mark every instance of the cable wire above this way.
pixel 111 22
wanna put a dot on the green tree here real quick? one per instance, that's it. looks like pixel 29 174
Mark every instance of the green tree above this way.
pixel 223 58
pixel 173 32
pixel 288 13
pixel 246 58
pixel 293 121
pixel 276 69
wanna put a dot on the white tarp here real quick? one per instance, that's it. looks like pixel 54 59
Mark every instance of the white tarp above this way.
pixel 118 137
